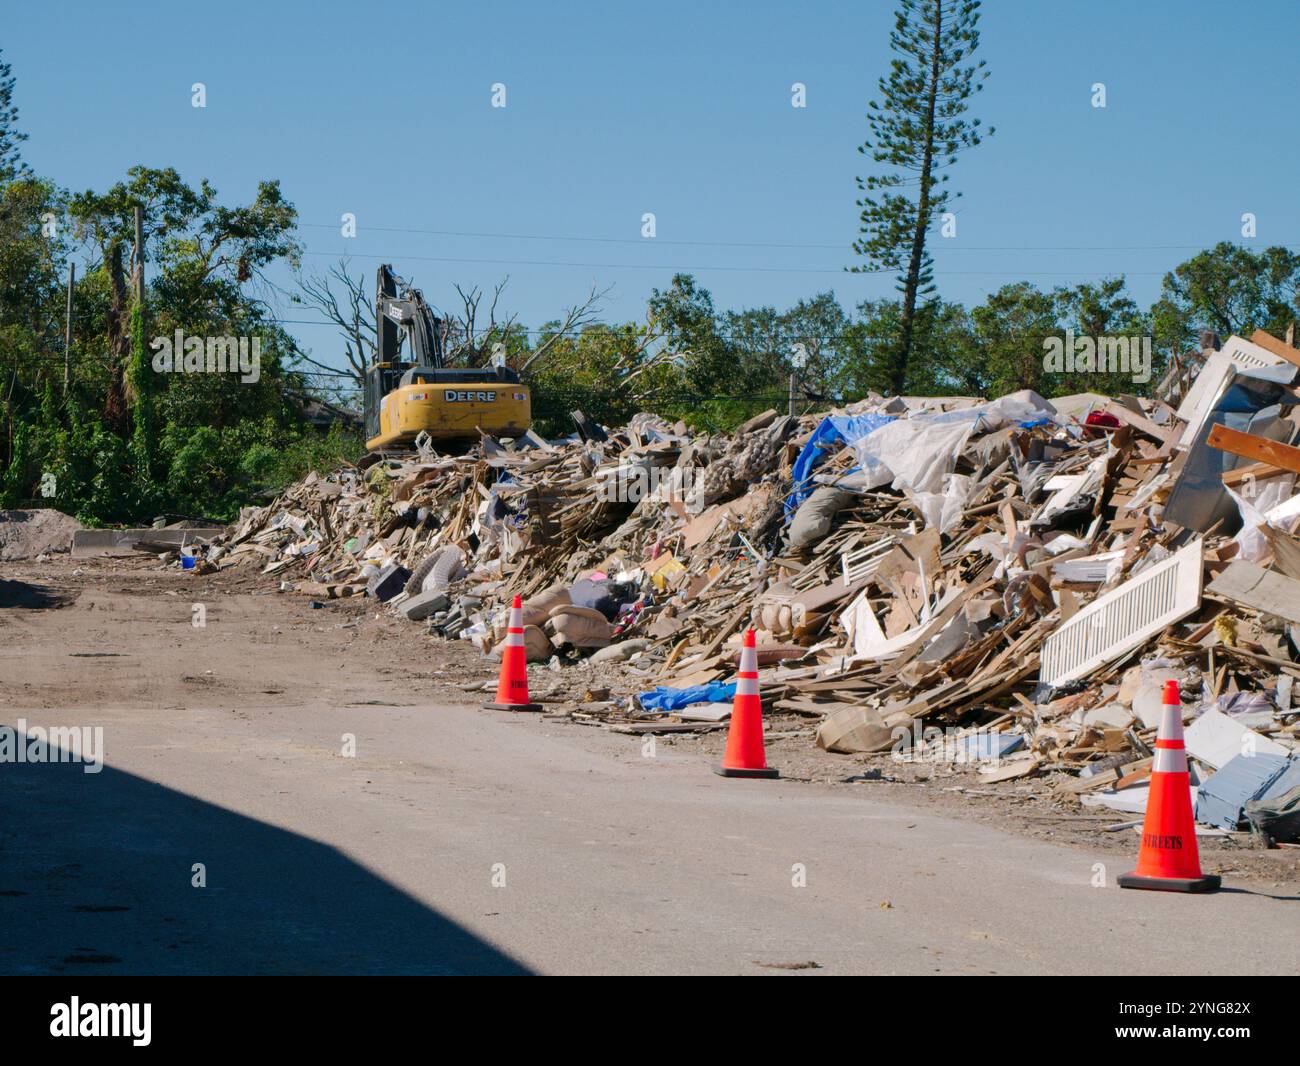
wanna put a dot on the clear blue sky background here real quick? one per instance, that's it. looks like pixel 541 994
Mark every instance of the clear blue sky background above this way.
pixel 679 108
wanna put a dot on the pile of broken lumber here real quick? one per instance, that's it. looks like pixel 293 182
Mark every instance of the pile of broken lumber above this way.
pixel 1018 567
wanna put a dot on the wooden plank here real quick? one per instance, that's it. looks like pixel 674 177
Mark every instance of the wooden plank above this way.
pixel 1286 550
pixel 1279 348
pixel 1264 590
pixel 1260 449
pixel 667 727
pixel 1139 422
pixel 1232 478
pixel 725 630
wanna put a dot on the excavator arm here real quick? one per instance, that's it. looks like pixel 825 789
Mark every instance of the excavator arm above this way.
pixel 401 311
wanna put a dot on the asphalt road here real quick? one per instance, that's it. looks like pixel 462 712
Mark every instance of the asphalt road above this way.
pixel 460 840
pixel 464 841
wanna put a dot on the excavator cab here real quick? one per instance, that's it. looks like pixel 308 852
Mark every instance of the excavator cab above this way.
pixel 419 394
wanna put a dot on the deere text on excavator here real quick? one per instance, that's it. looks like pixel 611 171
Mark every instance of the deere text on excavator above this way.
pixel 421 394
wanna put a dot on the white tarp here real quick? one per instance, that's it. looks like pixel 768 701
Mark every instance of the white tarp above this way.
pixel 916 453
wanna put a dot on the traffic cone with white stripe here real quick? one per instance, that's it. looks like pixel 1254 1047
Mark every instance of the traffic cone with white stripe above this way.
pixel 512 687
pixel 1168 859
pixel 744 756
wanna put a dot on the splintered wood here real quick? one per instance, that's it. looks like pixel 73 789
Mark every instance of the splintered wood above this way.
pixel 951 598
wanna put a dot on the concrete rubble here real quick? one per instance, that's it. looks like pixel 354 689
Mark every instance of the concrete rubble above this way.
pixel 1003 585
pixel 30 534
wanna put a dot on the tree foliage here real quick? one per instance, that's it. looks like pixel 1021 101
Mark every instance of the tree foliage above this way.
pixel 917 132
pixel 11 162
pixel 1228 289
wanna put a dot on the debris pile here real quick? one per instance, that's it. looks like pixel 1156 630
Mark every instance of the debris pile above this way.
pixel 32 534
pixel 1006 583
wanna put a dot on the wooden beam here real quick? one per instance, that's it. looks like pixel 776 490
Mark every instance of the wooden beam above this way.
pixel 1255 470
pixel 1260 449
pixel 1138 422
pixel 1279 348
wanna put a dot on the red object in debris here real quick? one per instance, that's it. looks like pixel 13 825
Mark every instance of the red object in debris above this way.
pixel 1102 421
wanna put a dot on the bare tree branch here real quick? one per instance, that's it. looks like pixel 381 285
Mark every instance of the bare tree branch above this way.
pixel 345 301
pixel 575 318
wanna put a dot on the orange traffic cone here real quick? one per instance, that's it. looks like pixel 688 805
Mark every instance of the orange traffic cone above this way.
pixel 1168 859
pixel 744 756
pixel 512 688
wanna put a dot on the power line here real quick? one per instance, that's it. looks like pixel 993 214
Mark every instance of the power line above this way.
pixel 946 243
pixel 586 266
pixel 668 268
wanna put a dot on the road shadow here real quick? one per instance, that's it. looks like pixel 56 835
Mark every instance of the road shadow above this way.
pixel 95 878
pixel 32 597
pixel 1256 892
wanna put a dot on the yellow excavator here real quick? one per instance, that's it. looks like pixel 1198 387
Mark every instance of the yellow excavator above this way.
pixel 421 394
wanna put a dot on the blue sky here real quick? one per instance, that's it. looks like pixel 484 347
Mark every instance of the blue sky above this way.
pixel 680 109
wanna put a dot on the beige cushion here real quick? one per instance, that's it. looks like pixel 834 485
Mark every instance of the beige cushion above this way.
pixel 538 608
pixel 578 612
pixel 537 647
pixel 579 626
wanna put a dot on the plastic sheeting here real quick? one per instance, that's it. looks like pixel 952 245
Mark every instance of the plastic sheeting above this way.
pixel 833 430
pixel 664 698
pixel 917 453
pixel 945 511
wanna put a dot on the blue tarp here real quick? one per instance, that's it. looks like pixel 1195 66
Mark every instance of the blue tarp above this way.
pixel 663 698
pixel 834 431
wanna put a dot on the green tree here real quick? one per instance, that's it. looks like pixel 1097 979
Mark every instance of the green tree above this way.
pixel 144 440
pixel 768 345
pixel 684 315
pixel 1006 349
pixel 204 253
pixel 11 163
pixel 1228 289
pixel 917 131
pixel 609 372
pixel 1098 310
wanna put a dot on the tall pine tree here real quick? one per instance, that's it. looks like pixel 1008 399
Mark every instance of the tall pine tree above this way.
pixel 917 130
pixel 11 163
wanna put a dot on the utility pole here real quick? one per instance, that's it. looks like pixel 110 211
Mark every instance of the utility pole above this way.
pixel 798 361
pixel 67 330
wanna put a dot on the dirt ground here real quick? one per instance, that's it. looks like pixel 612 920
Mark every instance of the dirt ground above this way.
pixel 119 631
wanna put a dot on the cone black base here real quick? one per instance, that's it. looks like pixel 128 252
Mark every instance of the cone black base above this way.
pixel 1207 883
pixel 514 706
pixel 727 771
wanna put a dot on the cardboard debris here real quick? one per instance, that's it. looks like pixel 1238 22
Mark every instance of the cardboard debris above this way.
pixel 1264 590
pixel 854 729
